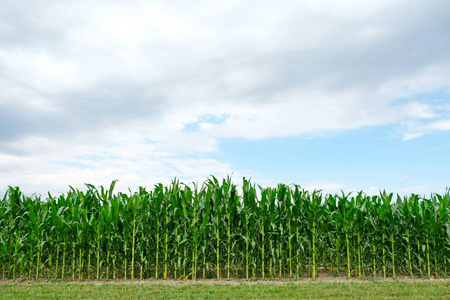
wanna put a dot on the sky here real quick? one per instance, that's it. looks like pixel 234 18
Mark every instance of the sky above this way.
pixel 333 95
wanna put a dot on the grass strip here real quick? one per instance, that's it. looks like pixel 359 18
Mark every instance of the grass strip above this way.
pixel 338 290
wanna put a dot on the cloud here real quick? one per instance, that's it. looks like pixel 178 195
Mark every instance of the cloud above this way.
pixel 420 110
pixel 373 191
pixel 123 80
pixel 439 125
pixel 418 190
pixel 52 165
pixel 417 129
pixel 326 186
pixel 411 136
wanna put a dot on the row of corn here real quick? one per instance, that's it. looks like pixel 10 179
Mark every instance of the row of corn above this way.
pixel 221 230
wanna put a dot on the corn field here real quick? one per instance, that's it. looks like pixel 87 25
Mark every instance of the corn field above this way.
pixel 221 230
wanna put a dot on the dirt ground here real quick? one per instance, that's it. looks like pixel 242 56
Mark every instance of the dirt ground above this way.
pixel 323 278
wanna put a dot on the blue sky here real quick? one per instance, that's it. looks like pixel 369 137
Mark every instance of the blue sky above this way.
pixel 367 159
pixel 305 92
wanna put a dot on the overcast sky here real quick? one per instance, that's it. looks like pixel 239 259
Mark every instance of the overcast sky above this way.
pixel 351 95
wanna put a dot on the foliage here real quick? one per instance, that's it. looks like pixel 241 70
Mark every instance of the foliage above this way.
pixel 221 230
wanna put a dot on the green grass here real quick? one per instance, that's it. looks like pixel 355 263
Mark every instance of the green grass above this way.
pixel 338 290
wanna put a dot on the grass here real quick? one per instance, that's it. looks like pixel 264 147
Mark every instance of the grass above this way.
pixel 433 289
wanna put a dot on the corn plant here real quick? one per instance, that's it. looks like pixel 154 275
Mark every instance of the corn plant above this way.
pixel 216 229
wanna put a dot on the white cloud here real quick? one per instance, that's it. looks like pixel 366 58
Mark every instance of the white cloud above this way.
pixel 122 80
pixel 420 110
pixel 411 136
pixel 418 190
pixel 327 187
pixel 418 129
pixel 373 190
pixel 439 125
pixel 52 165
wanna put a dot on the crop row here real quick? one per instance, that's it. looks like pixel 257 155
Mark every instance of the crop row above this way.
pixel 224 231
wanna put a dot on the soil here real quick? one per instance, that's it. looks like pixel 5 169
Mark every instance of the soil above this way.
pixel 323 278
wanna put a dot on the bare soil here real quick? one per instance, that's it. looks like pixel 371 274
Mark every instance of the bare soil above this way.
pixel 323 278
